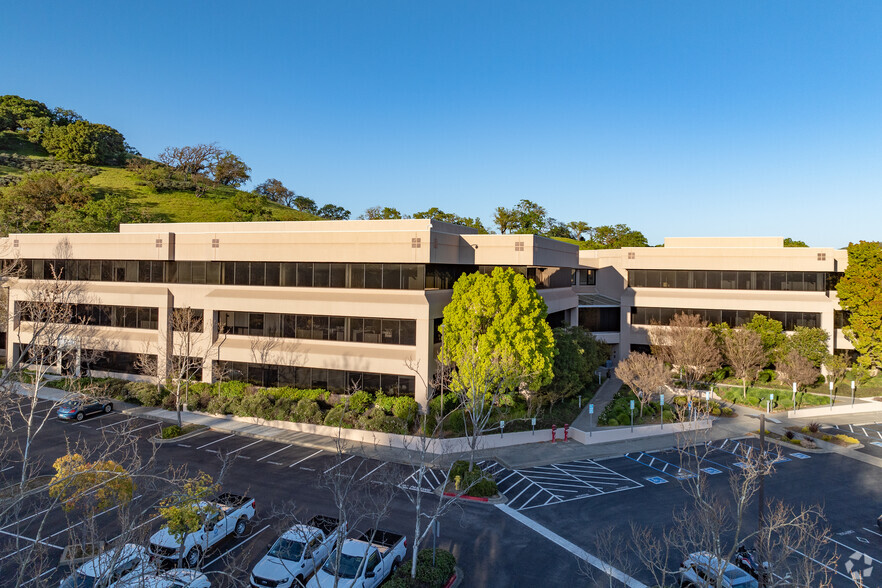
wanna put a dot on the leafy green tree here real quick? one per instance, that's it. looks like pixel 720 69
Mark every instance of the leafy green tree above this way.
pixel 94 486
pixel 788 242
pixel 558 229
pixel 809 342
pixel 614 237
pixel 275 191
pixel 229 170
pixel 14 109
pixel 250 206
pixel 526 217
pixel 449 217
pixel 578 228
pixel 577 355
pixel 500 316
pixel 771 333
pixel 27 206
pixel 64 116
pixel 304 204
pixel 333 212
pixel 378 213
pixel 86 142
pixel 837 366
pixel 860 293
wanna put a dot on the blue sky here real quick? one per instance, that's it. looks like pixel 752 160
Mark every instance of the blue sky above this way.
pixel 676 118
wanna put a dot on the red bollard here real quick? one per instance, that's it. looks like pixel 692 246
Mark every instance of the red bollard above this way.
pixel 553 432
pixel 566 431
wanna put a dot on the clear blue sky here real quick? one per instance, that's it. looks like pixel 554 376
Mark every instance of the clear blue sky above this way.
pixel 676 118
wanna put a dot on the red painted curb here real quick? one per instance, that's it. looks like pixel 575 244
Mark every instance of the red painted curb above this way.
pixel 466 496
pixel 450 581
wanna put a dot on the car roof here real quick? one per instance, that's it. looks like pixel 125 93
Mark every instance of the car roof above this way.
pixel 101 564
pixel 708 559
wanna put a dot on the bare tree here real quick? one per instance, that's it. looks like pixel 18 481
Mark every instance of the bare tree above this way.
pixel 191 348
pixel 687 344
pixel 191 159
pixel 794 368
pixel 744 352
pixel 644 374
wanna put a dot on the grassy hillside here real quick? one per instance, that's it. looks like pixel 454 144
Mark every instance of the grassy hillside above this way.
pixel 214 206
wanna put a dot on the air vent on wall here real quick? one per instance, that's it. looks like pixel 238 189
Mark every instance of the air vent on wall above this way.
pixel 215 243
pixel 822 256
pixel 159 243
pixel 416 243
pixel 631 255
pixel 519 245
pixel 15 242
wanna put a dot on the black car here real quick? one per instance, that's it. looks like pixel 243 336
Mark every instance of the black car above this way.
pixel 80 408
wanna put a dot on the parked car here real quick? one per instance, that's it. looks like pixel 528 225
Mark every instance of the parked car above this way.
pixel 229 515
pixel 749 561
pixel 177 578
pixel 81 407
pixel 296 554
pixel 701 569
pixel 364 562
pixel 108 569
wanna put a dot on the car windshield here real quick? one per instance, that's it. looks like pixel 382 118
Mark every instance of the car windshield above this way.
pixel 287 549
pixel 79 580
pixel 349 565
pixel 71 404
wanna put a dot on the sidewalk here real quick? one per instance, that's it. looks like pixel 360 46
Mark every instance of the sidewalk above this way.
pixel 601 398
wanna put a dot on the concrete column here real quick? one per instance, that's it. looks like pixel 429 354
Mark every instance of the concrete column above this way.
pixel 211 334
pixel 423 361
pixel 164 346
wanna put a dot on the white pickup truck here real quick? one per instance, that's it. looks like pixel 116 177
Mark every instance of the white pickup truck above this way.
pixel 296 554
pixel 364 562
pixel 228 514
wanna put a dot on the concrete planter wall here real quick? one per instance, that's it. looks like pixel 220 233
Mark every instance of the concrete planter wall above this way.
pixel 819 411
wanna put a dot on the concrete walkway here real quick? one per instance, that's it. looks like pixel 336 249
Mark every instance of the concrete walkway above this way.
pixel 601 398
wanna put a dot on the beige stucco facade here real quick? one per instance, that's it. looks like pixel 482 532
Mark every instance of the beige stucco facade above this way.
pixel 384 244
pixel 738 255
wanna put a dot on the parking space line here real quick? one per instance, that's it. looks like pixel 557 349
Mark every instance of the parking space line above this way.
pixel 853 549
pixel 705 459
pixel 333 466
pixel 371 472
pixel 235 547
pixel 823 565
pixel 215 441
pixel 305 458
pixel 116 423
pixel 241 448
pixel 145 427
pixel 47 544
pixel 49 571
pixel 274 452
pixel 871 531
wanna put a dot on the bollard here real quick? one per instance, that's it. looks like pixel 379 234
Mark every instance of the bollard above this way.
pixel 456 482
pixel 566 432
pixel 553 432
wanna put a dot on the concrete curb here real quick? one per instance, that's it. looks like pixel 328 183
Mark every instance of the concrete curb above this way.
pixel 161 441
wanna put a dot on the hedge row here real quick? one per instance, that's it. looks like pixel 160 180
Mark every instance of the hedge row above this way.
pixel 427 575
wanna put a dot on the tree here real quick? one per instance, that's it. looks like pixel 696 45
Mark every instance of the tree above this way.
pixel 28 206
pixel 614 237
pixel 304 204
pixel 275 191
pixel 185 510
pixel 744 352
pixel 333 212
pixel 578 228
pixel 526 217
pixel 644 374
pixel 447 217
pixel 191 160
pixel 14 109
pixel 228 169
pixel 191 347
pixel 577 355
pixel 794 368
pixel 94 485
pixel 860 293
pixel 496 337
pixel 86 142
pixel 378 213
pixel 771 334
pixel 250 206
pixel 809 342
pixel 788 242
pixel 837 366
pixel 687 344
pixel 64 116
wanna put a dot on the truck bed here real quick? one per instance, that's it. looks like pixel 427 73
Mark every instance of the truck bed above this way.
pixel 382 540
pixel 325 523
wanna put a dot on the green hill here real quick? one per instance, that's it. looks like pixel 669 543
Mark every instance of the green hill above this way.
pixel 18 157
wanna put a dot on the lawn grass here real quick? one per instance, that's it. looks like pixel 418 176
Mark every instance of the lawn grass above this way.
pixel 15 142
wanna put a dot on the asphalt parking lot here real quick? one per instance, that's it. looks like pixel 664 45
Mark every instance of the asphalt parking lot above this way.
pixel 561 506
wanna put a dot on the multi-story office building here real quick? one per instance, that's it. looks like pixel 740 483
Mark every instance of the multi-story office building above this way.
pixel 622 292
pixel 308 304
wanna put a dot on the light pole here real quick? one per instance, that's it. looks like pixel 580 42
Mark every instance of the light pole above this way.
pixel 852 392
pixel 831 394
pixel 794 395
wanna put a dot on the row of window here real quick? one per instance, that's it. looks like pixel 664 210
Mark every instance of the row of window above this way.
pixel 386 276
pixel 584 277
pixel 733 318
pixel 336 381
pixel 734 280
pixel 90 359
pixel 101 315
pixel 323 328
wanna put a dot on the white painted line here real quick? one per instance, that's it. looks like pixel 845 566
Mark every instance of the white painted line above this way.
pixel 32 540
pixel 522 491
pixel 244 447
pixel 572 548
pixel 144 427
pixel 853 549
pixel 338 465
pixel 7 468
pixel 215 441
pixel 28 517
pixel 233 548
pixel 823 565
pixel 370 472
pixel 49 571
pixel 871 531
pixel 128 420
pixel 275 462
pixel 184 445
pixel 147 522
pixel 305 458
pixel 273 453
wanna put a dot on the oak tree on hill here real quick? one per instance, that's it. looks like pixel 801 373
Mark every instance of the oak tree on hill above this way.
pixel 525 217
pixel 229 170
pixel 275 191
pixel 304 204
pixel 15 109
pixel 614 237
pixel 86 142
pixel 449 217
pixel 860 293
pixel 381 212
pixel 333 212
